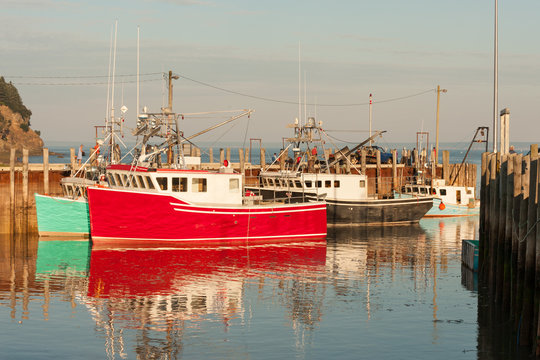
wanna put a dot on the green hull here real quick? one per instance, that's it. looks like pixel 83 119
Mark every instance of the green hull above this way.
pixel 57 216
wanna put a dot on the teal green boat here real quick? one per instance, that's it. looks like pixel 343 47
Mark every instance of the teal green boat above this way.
pixel 61 216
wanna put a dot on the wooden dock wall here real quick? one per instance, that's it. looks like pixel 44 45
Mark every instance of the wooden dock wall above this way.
pixel 509 256
pixel 20 181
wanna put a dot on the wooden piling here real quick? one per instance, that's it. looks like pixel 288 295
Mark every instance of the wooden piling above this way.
pixel 483 202
pixel 522 230
pixel 46 170
pixel 394 170
pixel 24 225
pixel 229 155
pixel 493 223
pixel 507 240
pixel 530 253
pixel 12 188
pixel 517 200
pixel 221 156
pixel 378 176
pixel 73 160
pixel 263 158
pixel 501 190
pixel 210 155
pixel 241 159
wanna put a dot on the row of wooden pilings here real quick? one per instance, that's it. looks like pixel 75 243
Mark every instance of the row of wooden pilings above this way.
pixel 509 254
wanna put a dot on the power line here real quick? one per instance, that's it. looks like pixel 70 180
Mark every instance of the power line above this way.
pixel 76 77
pixel 200 83
pixel 82 83
pixel 296 102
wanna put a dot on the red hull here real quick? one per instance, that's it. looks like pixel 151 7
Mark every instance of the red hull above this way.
pixel 121 215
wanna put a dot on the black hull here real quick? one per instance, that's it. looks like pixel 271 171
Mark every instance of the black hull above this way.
pixel 366 212
pixel 377 212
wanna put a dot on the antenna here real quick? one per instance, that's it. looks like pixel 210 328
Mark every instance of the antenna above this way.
pixel 305 99
pixel 109 82
pixel 112 92
pixel 299 87
pixel 138 49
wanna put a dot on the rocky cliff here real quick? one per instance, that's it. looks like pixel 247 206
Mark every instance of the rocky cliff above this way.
pixel 15 128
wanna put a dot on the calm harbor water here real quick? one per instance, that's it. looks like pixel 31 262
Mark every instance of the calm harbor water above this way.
pixel 384 293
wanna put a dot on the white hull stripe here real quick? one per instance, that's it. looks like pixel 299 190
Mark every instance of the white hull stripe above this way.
pixel 373 204
pixel 312 204
pixel 208 239
pixel 254 213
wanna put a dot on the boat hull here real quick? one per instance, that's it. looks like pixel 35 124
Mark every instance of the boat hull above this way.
pixel 362 212
pixel 57 216
pixel 123 215
pixel 451 210
pixel 377 212
pixel 447 210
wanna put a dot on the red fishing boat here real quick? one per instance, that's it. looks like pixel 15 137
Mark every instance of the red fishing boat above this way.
pixel 176 205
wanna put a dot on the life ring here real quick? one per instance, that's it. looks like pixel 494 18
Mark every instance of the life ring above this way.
pixel 442 206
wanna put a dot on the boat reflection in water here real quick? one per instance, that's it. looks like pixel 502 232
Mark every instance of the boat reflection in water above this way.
pixel 166 290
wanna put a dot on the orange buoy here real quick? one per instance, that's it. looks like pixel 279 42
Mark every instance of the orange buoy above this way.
pixel 442 206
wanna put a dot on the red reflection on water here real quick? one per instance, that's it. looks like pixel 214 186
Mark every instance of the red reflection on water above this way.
pixel 128 272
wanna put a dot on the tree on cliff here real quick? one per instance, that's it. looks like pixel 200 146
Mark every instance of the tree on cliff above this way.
pixel 10 97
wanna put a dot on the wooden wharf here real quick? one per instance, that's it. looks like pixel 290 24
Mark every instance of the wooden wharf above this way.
pixel 19 181
pixel 509 248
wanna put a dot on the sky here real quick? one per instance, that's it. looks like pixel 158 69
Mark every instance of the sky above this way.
pixel 57 54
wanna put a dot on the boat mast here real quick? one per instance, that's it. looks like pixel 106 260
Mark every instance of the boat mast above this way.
pixel 138 73
pixel 112 120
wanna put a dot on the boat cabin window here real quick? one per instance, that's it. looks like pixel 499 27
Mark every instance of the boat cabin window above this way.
pixel 442 192
pixel 117 180
pixel 327 183
pixel 318 183
pixel 423 190
pixel 110 177
pixel 309 183
pixel 469 192
pixel 270 182
pixel 234 184
pixel 291 183
pixel 362 183
pixel 336 183
pixel 125 180
pixel 198 185
pixel 133 182
pixel 415 189
pixel 149 182
pixel 68 190
pixel 298 184
pixel 179 184
pixel 162 182
pixel 434 191
pixel 458 196
pixel 140 181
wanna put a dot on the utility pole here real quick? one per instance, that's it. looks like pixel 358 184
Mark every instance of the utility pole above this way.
pixel 439 90
pixel 370 117
pixel 171 78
